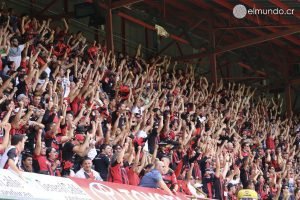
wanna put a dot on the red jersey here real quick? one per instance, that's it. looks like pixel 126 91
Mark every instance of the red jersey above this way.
pixel 117 174
pixel 44 164
pixel 183 187
pixel 270 143
pixel 170 179
pixel 133 177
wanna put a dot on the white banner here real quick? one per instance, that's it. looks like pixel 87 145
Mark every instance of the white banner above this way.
pixel 37 186
pixel 13 187
pixel 58 188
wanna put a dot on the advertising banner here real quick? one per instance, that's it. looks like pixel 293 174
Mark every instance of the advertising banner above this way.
pixel 112 191
pixel 44 187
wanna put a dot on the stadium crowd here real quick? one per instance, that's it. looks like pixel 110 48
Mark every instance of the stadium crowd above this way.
pixel 71 108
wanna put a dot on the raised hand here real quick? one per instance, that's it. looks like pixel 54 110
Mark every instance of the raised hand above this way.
pixel 21 103
pixel 108 125
pixel 31 108
pixel 7 127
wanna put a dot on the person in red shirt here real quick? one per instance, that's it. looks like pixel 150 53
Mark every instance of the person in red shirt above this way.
pixel 117 172
pixel 134 170
pixel 168 175
pixel 52 158
pixel 93 50
pixel 42 165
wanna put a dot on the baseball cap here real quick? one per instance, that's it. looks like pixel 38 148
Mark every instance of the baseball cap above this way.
pixel 80 137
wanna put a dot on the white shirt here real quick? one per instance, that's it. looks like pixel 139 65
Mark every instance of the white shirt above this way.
pixel 66 86
pixel 92 153
pixel 143 134
pixel 137 110
pixel 202 119
pixel 48 71
pixel 15 55
pixel 81 174
pixel 4 159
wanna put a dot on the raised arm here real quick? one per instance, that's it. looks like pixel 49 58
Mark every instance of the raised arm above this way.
pixel 5 141
pixel 38 145
pixel 154 153
pixel 81 149
pixel 69 136
pixel 66 26
pixel 121 154
pixel 163 186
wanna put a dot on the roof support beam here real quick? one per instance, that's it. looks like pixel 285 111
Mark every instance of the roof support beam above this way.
pixel 66 6
pixel 46 7
pixel 121 3
pixel 258 72
pixel 185 19
pixel 288 99
pixel 109 30
pixel 274 18
pixel 279 43
pixel 182 6
pixel 58 17
pixel 179 48
pixel 148 26
pixel 249 3
pixel 213 55
pixel 295 81
pixel 213 60
pixel 193 56
pixel 123 33
pixel 256 27
pixel 172 42
pixel 243 78
pixel 264 38
pixel 258 40
pixel 141 23
pixel 285 7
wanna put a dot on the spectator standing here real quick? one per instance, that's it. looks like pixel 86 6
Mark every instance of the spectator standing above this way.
pixel 15 52
pixel 169 176
pixel 102 161
pixel 10 158
pixel 117 172
pixel 52 158
pixel 77 146
pixel 43 166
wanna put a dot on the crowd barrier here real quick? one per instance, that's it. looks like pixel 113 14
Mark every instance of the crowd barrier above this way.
pixel 44 187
